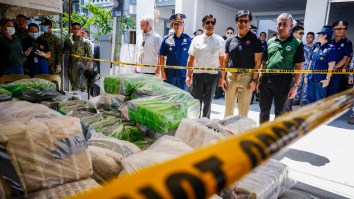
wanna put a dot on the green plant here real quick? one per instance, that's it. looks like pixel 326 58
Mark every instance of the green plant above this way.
pixel 102 19
pixel 80 18
pixel 128 22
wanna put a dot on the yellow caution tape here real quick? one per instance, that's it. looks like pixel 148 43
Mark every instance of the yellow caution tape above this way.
pixel 231 70
pixel 207 171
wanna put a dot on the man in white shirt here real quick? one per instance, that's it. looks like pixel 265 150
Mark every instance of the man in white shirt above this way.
pixel 84 33
pixel 147 46
pixel 207 50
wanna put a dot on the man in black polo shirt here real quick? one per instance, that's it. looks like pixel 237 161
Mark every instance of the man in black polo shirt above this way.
pixel 285 52
pixel 242 51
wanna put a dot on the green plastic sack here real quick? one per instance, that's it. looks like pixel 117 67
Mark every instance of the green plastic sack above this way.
pixel 32 90
pixel 5 95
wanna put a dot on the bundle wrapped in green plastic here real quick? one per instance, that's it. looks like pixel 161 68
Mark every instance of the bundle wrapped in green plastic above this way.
pixel 5 95
pixel 161 113
pixel 32 90
pixel 125 83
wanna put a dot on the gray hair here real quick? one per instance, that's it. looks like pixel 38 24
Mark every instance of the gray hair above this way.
pixel 286 15
pixel 148 19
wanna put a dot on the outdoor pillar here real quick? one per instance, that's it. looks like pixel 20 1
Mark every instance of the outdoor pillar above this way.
pixel 145 7
pixel 315 15
pixel 105 54
pixel 194 11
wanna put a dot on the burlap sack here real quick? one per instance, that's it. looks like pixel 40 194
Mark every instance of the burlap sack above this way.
pixel 65 190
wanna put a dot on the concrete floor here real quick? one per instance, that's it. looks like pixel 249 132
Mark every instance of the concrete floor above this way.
pixel 321 163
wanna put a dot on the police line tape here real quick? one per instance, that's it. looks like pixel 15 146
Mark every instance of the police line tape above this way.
pixel 232 70
pixel 207 171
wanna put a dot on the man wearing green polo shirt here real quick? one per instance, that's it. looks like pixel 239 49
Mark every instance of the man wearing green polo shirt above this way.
pixel 283 52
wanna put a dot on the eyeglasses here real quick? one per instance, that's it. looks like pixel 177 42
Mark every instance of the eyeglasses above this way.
pixel 178 23
pixel 339 28
pixel 229 33
pixel 243 21
pixel 301 33
pixel 210 22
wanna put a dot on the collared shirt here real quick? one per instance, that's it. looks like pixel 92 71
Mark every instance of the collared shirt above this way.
pixel 242 50
pixel 38 44
pixel 10 51
pixel 321 56
pixel 147 46
pixel 308 49
pixel 22 33
pixel 351 66
pixel 283 54
pixel 176 50
pixel 79 46
pixel 55 48
pixel 264 46
pixel 207 51
pixel 344 47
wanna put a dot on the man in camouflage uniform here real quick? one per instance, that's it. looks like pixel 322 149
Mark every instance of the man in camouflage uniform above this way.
pixel 21 31
pixel 55 47
pixel 77 45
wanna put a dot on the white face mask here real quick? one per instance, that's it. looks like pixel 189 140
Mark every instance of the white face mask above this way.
pixel 10 30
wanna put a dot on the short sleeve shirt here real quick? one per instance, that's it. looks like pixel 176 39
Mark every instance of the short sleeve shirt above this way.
pixel 207 51
pixel 38 44
pixel 321 56
pixel 241 50
pixel 176 50
pixel 147 47
pixel 344 47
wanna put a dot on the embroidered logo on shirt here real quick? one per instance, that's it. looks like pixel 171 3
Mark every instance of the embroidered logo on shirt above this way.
pixel 342 45
pixel 248 42
pixel 325 50
pixel 41 47
pixel 288 48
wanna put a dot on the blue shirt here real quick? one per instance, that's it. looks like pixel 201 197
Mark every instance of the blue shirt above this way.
pixel 176 50
pixel 307 53
pixel 264 46
pixel 321 56
pixel 344 47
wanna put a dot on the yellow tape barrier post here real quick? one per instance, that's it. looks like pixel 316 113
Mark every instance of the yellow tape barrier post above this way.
pixel 204 172
pixel 232 70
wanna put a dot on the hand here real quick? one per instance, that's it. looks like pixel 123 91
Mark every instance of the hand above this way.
pixel 57 68
pixel 223 84
pixel 325 83
pixel 292 92
pixel 163 75
pixel 252 86
pixel 39 53
pixel 157 72
pixel 259 83
pixel 188 81
pixel 350 80
pixel 28 51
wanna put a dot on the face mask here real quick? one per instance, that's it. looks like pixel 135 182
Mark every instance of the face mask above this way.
pixel 10 30
pixel 34 35
pixel 44 29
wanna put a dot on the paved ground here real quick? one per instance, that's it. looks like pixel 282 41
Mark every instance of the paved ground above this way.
pixel 321 163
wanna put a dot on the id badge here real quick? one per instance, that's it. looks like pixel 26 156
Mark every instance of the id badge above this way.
pixel 35 59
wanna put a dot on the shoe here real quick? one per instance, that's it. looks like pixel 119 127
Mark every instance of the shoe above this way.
pixel 304 103
pixel 351 120
pixel 296 102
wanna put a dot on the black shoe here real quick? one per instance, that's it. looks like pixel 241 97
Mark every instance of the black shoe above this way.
pixel 296 102
pixel 351 120
pixel 304 103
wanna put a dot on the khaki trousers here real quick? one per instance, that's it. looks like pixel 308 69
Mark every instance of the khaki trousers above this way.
pixel 237 89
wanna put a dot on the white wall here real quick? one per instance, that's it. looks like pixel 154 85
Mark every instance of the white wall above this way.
pixel 165 14
pixel 265 25
pixel 315 15
pixel 145 7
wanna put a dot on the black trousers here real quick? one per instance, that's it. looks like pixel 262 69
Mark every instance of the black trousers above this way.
pixel 273 86
pixel 204 85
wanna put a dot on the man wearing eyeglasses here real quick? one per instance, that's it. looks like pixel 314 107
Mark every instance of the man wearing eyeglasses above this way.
pixel 207 50
pixel 175 47
pixel 244 51
pixel 284 52
pixel 344 49
pixel 147 46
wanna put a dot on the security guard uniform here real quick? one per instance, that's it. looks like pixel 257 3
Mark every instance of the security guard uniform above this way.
pixel 176 50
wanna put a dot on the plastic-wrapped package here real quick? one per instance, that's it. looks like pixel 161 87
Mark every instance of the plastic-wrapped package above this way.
pixel 201 132
pixel 5 95
pixel 40 152
pixel 106 163
pixel 161 113
pixel 127 131
pixel 124 83
pixel 264 182
pixel 32 90
pixel 238 124
pixel 165 148
pixel 108 101
pixel 66 190
pixel 24 111
pixel 122 147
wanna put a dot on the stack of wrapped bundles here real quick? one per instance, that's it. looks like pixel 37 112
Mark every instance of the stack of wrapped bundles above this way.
pixel 32 90
pixel 40 149
pixel 125 83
